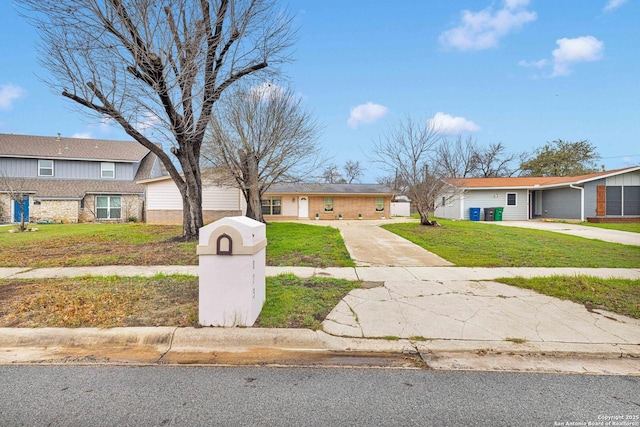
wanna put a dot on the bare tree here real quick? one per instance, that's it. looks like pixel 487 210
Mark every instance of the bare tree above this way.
pixel 159 65
pixel 262 136
pixel 331 175
pixel 456 159
pixel 16 188
pixel 405 150
pixel 352 171
pixel 493 161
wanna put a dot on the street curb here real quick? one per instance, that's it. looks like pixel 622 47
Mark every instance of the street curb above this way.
pixel 254 346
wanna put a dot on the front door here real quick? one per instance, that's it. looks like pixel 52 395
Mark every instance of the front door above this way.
pixel 16 210
pixel 303 207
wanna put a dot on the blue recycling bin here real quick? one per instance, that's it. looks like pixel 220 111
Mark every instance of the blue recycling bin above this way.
pixel 474 214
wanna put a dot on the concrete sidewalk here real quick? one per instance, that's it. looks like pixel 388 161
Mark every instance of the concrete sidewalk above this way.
pixel 445 317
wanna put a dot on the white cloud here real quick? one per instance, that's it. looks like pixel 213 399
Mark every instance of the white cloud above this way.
pixel 148 121
pixel 8 94
pixel 572 51
pixel 82 135
pixel 534 64
pixel 449 125
pixel 484 29
pixel 613 4
pixel 267 90
pixel 366 113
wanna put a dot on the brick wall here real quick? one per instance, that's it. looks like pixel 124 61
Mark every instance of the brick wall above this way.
pixel 5 208
pixel 132 207
pixel 174 217
pixel 350 207
pixel 65 211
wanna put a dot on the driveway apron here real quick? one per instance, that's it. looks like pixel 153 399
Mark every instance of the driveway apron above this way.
pixel 440 306
pixel 613 236
pixel 370 245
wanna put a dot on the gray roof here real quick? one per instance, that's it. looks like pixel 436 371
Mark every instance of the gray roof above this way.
pixel 70 148
pixel 336 189
pixel 71 188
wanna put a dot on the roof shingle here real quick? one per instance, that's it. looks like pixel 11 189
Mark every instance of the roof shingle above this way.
pixel 70 148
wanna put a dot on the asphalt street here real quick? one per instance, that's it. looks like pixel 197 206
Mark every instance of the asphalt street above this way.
pixel 256 396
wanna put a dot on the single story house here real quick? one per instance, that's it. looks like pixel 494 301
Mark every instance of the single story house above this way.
pixel 607 196
pixel 72 179
pixel 164 203
pixel 281 202
pixel 327 201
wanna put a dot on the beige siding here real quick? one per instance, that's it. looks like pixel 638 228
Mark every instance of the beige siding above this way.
pixel 164 203
pixel 164 195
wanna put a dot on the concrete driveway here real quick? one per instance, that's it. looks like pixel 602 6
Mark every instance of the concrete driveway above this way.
pixel 370 245
pixel 613 236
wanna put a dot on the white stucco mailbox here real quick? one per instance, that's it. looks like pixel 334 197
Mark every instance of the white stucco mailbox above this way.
pixel 232 255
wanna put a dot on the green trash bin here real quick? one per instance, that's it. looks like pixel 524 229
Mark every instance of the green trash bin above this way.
pixel 498 214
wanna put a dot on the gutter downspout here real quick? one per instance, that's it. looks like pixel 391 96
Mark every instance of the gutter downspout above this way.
pixel 581 200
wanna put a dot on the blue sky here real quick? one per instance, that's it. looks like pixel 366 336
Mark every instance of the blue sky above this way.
pixel 513 71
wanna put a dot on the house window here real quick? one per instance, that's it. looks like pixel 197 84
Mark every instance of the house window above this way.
pixel 45 167
pixel 107 170
pixel 271 206
pixel 108 207
pixel 511 199
pixel 614 200
pixel 379 204
pixel 328 204
pixel 631 200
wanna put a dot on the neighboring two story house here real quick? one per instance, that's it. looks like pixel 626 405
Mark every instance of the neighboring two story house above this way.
pixel 73 180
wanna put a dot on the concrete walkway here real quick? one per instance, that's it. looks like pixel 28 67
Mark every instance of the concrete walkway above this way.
pixel 596 233
pixel 370 245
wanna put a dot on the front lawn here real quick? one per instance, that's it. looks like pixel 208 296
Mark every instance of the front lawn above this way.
pixel 69 245
pixel 633 227
pixel 620 296
pixel 474 244
pixel 106 302
pixel 306 246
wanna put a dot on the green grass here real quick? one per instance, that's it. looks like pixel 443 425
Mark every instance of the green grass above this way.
pixel 170 300
pixel 306 245
pixel 67 245
pixel 633 227
pixel 474 244
pixel 620 296
pixel 293 302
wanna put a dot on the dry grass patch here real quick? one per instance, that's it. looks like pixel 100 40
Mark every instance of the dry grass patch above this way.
pixel 106 302
pixel 100 302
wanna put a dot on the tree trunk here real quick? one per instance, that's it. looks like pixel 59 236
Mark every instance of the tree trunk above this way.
pixel 249 166
pixel 21 204
pixel 254 206
pixel 424 219
pixel 191 192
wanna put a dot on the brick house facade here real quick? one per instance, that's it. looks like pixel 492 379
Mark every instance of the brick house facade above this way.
pixel 327 201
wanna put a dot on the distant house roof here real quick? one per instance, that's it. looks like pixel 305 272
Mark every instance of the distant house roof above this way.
pixel 534 181
pixel 71 189
pixel 70 148
pixel 332 189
